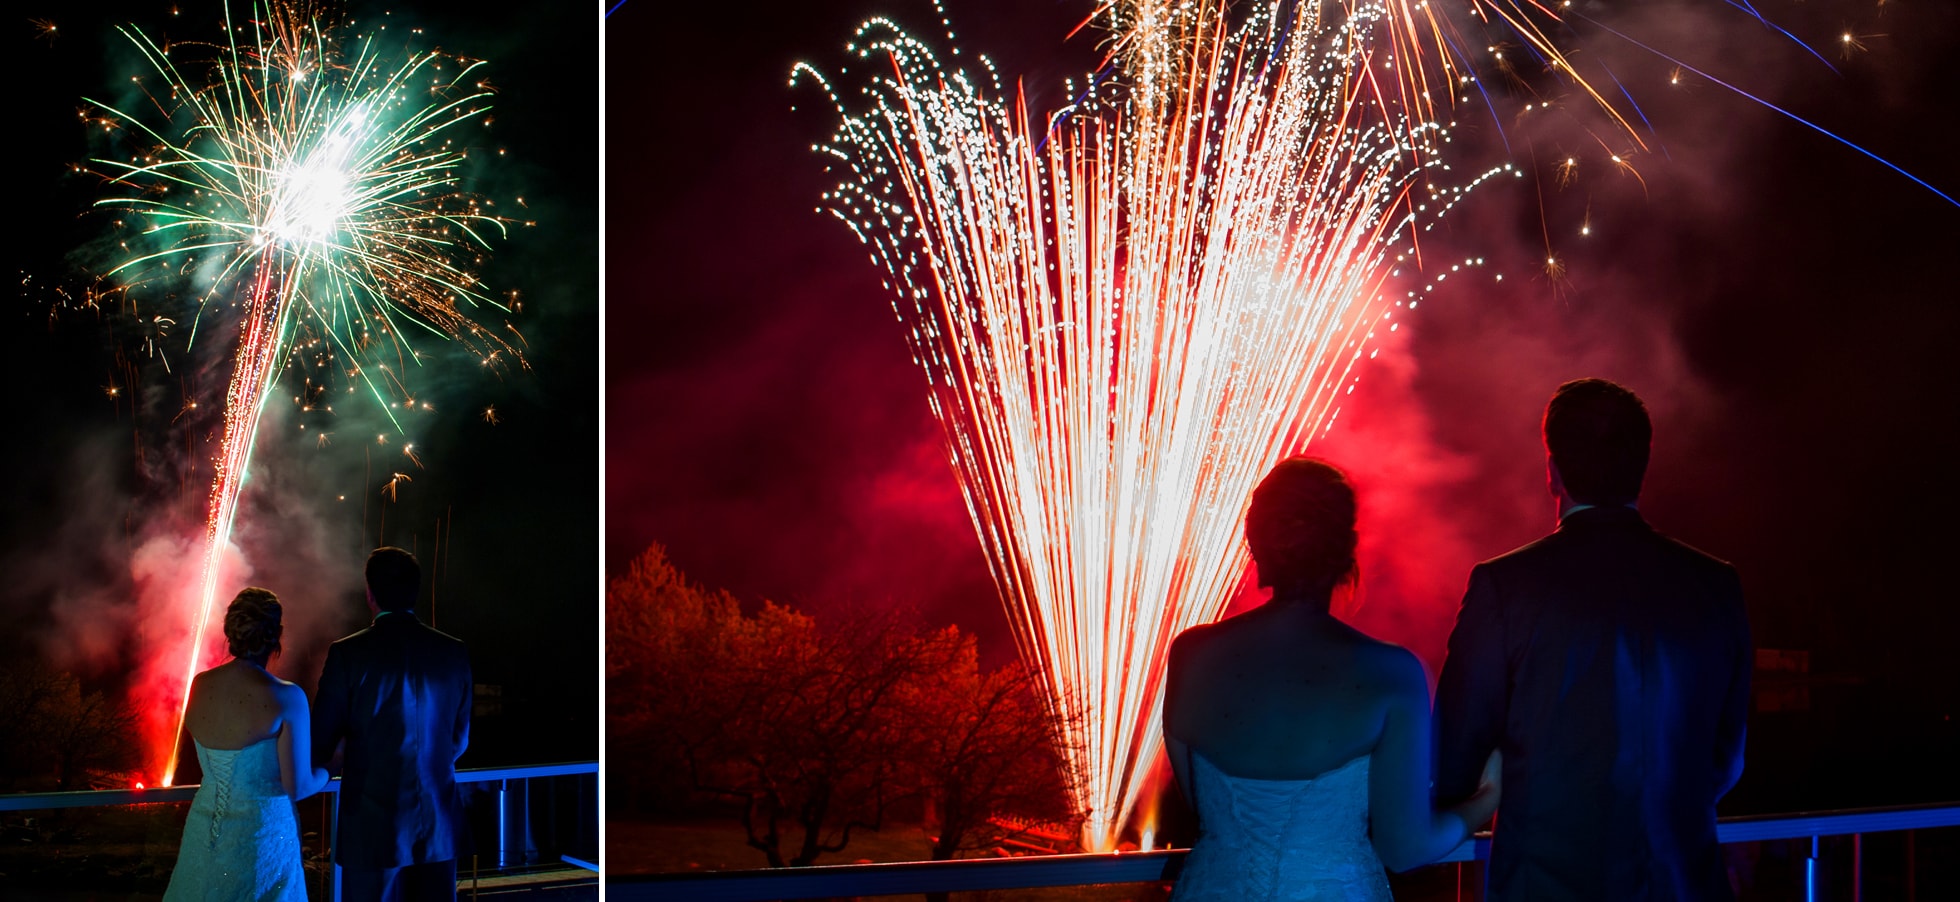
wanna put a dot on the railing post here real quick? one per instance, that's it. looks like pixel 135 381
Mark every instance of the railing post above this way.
pixel 1810 872
pixel 503 823
pixel 1857 867
pixel 333 833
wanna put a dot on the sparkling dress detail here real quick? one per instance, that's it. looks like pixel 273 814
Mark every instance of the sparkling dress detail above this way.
pixel 1282 839
pixel 241 840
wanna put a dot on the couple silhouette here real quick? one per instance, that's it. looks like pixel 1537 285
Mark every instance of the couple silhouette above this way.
pixel 1594 699
pixel 393 705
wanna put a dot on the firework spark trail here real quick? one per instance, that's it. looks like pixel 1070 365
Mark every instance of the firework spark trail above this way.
pixel 251 383
pixel 325 185
pixel 1127 315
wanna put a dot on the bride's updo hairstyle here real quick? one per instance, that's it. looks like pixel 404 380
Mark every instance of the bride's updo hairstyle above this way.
pixel 252 625
pixel 1301 529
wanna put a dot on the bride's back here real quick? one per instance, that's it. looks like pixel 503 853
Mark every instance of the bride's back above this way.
pixel 234 705
pixel 1273 719
pixel 1302 743
pixel 1284 692
pixel 238 703
pixel 241 838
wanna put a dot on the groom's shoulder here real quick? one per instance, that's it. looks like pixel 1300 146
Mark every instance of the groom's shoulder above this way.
pixel 436 644
pixel 441 638
pixel 1524 556
pixel 352 640
pixel 1659 550
pixel 1699 566
pixel 1688 554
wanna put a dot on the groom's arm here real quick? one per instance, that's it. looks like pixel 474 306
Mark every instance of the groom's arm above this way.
pixel 330 708
pixel 463 705
pixel 1732 731
pixel 1472 695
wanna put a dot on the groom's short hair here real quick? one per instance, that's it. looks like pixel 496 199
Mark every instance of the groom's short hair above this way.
pixel 1599 436
pixel 394 578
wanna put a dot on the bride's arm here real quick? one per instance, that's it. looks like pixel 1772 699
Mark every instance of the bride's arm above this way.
pixel 296 768
pixel 1407 830
pixel 1179 752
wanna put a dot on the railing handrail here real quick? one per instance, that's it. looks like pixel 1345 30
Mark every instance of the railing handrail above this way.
pixel 95 798
pixel 906 877
pixel 1152 867
pixel 1841 822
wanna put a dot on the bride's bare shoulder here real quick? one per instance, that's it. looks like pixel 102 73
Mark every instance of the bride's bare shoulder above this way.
pixel 1195 641
pixel 1393 668
pixel 291 696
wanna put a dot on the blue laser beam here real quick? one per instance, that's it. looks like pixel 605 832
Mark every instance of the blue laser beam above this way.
pixel 1786 113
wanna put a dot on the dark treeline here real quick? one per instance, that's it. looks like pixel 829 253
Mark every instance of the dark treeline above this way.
pixel 808 732
pixel 58 734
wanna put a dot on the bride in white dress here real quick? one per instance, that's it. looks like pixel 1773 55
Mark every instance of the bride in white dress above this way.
pixel 251 729
pixel 1302 743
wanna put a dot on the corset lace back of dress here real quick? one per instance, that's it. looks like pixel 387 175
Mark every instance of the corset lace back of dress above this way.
pixel 241 841
pixel 1282 839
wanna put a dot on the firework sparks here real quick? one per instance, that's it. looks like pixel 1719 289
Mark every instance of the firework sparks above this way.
pixel 1127 313
pixel 1129 309
pixel 319 184
pixel 1851 44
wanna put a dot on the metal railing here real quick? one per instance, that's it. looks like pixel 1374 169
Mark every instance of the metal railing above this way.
pixel 1035 871
pixel 501 776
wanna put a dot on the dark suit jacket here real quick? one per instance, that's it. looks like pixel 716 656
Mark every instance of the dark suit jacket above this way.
pixel 1611 665
pixel 399 693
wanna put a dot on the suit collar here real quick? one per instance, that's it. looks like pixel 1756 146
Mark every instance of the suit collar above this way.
pixel 1601 516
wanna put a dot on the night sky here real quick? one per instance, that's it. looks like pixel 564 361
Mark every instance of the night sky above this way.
pixel 504 516
pixel 1783 304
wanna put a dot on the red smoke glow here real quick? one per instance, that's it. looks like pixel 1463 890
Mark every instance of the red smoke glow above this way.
pixel 168 579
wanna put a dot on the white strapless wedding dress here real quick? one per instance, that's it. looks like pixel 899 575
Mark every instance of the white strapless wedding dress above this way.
pixel 1282 839
pixel 241 841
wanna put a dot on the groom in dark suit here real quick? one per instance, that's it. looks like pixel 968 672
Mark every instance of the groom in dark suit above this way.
pixel 1610 665
pixel 399 694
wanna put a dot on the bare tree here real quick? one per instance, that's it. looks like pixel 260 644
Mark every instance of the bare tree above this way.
pixel 762 709
pixel 827 751
pixel 53 731
pixel 667 675
pixel 27 691
pixel 90 733
pixel 989 756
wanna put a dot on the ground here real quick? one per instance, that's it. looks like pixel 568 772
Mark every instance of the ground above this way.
pixel 125 854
